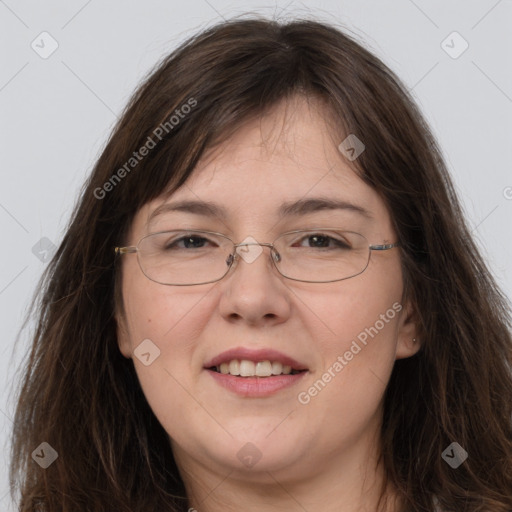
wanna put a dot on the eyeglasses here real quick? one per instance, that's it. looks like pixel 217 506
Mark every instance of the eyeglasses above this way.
pixel 189 257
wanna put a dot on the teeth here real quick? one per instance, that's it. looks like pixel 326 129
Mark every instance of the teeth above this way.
pixel 277 368
pixel 246 368
pixel 234 367
pixel 264 369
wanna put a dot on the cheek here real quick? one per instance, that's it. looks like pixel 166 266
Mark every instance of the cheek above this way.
pixel 169 316
pixel 360 320
pixel 164 325
pixel 362 308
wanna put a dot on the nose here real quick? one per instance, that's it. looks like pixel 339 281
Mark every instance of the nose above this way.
pixel 249 251
pixel 254 291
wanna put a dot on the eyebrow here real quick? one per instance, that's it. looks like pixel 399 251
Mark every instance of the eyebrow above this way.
pixel 288 209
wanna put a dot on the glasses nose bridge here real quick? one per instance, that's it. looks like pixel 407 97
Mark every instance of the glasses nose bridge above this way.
pixel 264 244
pixel 274 254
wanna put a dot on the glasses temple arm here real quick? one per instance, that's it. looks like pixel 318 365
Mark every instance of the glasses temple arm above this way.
pixel 384 247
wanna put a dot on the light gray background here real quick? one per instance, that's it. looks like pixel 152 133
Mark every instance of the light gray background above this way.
pixel 56 113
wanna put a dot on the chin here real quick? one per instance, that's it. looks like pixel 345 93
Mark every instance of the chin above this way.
pixel 259 451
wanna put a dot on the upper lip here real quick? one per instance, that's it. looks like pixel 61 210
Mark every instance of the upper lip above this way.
pixel 255 356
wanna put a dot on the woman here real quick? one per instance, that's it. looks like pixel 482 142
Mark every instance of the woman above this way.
pixel 268 299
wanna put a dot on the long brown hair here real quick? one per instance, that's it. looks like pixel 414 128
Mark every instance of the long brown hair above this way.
pixel 82 397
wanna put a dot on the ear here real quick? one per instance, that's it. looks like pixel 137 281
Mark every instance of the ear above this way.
pixel 123 339
pixel 407 340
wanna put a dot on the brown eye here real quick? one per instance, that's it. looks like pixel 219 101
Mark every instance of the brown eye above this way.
pixel 320 240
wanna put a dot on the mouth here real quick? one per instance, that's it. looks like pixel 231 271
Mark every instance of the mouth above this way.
pixel 247 368
pixel 245 362
pixel 255 373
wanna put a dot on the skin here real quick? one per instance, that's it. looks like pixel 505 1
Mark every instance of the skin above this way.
pixel 317 456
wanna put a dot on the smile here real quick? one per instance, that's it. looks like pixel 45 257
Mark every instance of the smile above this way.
pixel 246 368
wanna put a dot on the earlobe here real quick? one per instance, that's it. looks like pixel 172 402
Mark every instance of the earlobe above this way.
pixel 408 343
pixel 407 348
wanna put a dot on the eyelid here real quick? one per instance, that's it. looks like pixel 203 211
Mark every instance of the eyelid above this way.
pixel 301 233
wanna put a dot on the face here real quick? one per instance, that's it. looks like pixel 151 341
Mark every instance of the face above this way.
pixel 344 335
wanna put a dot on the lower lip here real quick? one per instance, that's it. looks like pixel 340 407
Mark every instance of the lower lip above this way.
pixel 256 386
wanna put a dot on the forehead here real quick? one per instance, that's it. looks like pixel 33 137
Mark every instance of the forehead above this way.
pixel 292 146
pixel 289 154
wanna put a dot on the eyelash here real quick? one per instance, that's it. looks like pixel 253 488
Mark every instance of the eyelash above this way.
pixel 337 242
